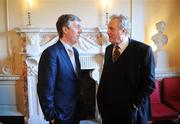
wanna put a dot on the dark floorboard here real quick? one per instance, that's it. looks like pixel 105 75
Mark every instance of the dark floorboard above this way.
pixel 166 122
pixel 12 119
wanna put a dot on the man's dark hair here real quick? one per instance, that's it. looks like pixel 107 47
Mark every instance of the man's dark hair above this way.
pixel 65 20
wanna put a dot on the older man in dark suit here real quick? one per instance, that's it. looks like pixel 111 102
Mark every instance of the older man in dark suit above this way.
pixel 59 73
pixel 128 77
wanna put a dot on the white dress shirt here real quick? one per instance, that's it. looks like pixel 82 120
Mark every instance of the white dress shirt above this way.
pixel 123 45
pixel 70 52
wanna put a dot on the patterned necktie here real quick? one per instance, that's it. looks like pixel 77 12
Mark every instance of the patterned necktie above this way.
pixel 116 53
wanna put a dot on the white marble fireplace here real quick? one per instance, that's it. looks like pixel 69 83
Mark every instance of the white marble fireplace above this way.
pixel 91 48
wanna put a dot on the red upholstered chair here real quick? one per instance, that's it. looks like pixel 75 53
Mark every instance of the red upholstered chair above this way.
pixel 171 92
pixel 159 110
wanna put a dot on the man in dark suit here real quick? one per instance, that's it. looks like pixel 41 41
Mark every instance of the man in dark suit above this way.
pixel 59 74
pixel 128 77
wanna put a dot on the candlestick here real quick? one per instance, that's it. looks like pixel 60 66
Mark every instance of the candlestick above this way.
pixel 106 10
pixel 29 13
pixel 29 18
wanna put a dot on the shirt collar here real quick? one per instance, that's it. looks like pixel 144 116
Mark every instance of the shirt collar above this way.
pixel 67 46
pixel 123 45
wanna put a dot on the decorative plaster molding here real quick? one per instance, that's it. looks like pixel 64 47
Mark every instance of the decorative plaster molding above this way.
pixel 167 72
pixel 37 39
pixel 32 66
pixel 9 77
pixel 31 29
pixel 7 74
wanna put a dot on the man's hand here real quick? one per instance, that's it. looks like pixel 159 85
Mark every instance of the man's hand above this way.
pixel 52 121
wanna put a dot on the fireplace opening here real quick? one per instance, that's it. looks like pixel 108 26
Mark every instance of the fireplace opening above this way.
pixel 88 96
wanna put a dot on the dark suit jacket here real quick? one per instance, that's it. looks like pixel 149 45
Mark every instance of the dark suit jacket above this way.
pixel 130 80
pixel 58 85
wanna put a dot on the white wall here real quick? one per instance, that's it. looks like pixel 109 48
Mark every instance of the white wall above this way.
pixel 44 13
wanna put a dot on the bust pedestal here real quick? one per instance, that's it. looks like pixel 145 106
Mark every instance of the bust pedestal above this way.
pixel 161 58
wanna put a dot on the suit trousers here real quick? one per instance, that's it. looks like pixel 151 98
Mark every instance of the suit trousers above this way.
pixel 113 117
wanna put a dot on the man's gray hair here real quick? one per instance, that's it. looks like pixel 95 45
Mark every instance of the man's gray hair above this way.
pixel 124 22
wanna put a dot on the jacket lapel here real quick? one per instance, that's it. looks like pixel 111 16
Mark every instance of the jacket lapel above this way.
pixel 64 55
pixel 78 66
pixel 109 52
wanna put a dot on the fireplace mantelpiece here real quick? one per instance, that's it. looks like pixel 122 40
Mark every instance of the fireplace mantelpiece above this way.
pixel 91 47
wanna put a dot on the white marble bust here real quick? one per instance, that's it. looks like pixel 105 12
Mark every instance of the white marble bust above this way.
pixel 159 38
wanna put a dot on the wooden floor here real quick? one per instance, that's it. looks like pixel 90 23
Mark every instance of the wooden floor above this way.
pixel 20 120
pixel 12 120
pixel 158 122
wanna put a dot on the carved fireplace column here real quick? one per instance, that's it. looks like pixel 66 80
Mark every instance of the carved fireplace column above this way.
pixel 31 53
